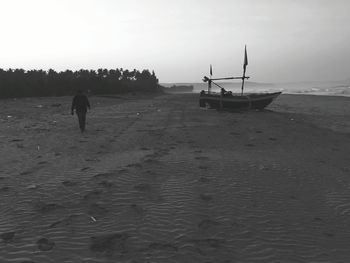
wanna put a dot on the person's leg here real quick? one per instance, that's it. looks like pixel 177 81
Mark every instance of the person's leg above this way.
pixel 81 120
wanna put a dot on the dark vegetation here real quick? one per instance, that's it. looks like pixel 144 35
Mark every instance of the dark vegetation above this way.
pixel 40 83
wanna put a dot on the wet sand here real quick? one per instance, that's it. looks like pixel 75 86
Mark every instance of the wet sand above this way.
pixel 158 179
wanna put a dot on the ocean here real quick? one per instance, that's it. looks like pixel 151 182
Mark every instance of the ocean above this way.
pixel 328 88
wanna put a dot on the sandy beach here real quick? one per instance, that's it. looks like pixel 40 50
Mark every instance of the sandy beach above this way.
pixel 158 179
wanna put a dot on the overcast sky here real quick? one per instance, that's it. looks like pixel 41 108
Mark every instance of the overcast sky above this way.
pixel 287 40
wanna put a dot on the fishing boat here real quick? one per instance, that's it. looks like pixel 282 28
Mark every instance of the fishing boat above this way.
pixel 226 100
pixel 237 101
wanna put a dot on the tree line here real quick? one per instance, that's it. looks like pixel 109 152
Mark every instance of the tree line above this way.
pixel 39 83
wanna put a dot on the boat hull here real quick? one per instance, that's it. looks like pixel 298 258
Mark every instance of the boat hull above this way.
pixel 230 101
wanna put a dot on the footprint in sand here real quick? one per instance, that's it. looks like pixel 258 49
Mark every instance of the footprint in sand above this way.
pixel 164 152
pixel 64 222
pixel 163 246
pixel 104 175
pixel 7 237
pixel 93 194
pixel 16 140
pixel 92 160
pixel 46 208
pixel 153 155
pixel 69 183
pixel 207 223
pixel 134 165
pixel 143 187
pixel 202 167
pixel 209 242
pixel 106 184
pixel 151 161
pixel 206 197
pixel 204 180
pixel 137 209
pixel 328 234
pixel 202 158
pixel 335 149
pixel 144 149
pixel 26 172
pixel 97 210
pixel 110 243
pixel 149 172
pixel 148 191
pixel 45 245
pixel 4 189
pixel 272 139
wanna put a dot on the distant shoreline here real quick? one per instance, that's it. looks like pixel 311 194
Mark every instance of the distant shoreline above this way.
pixel 334 88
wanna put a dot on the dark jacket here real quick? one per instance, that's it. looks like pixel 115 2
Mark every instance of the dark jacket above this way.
pixel 80 103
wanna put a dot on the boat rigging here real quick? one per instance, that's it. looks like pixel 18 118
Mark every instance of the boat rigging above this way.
pixel 243 78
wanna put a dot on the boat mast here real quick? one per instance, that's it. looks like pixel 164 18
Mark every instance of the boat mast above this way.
pixel 245 63
pixel 209 81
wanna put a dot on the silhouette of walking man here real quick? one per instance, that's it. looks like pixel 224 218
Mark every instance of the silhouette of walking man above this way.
pixel 80 104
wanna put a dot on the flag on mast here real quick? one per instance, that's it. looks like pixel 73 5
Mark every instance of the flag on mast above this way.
pixel 245 58
pixel 244 67
pixel 211 70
